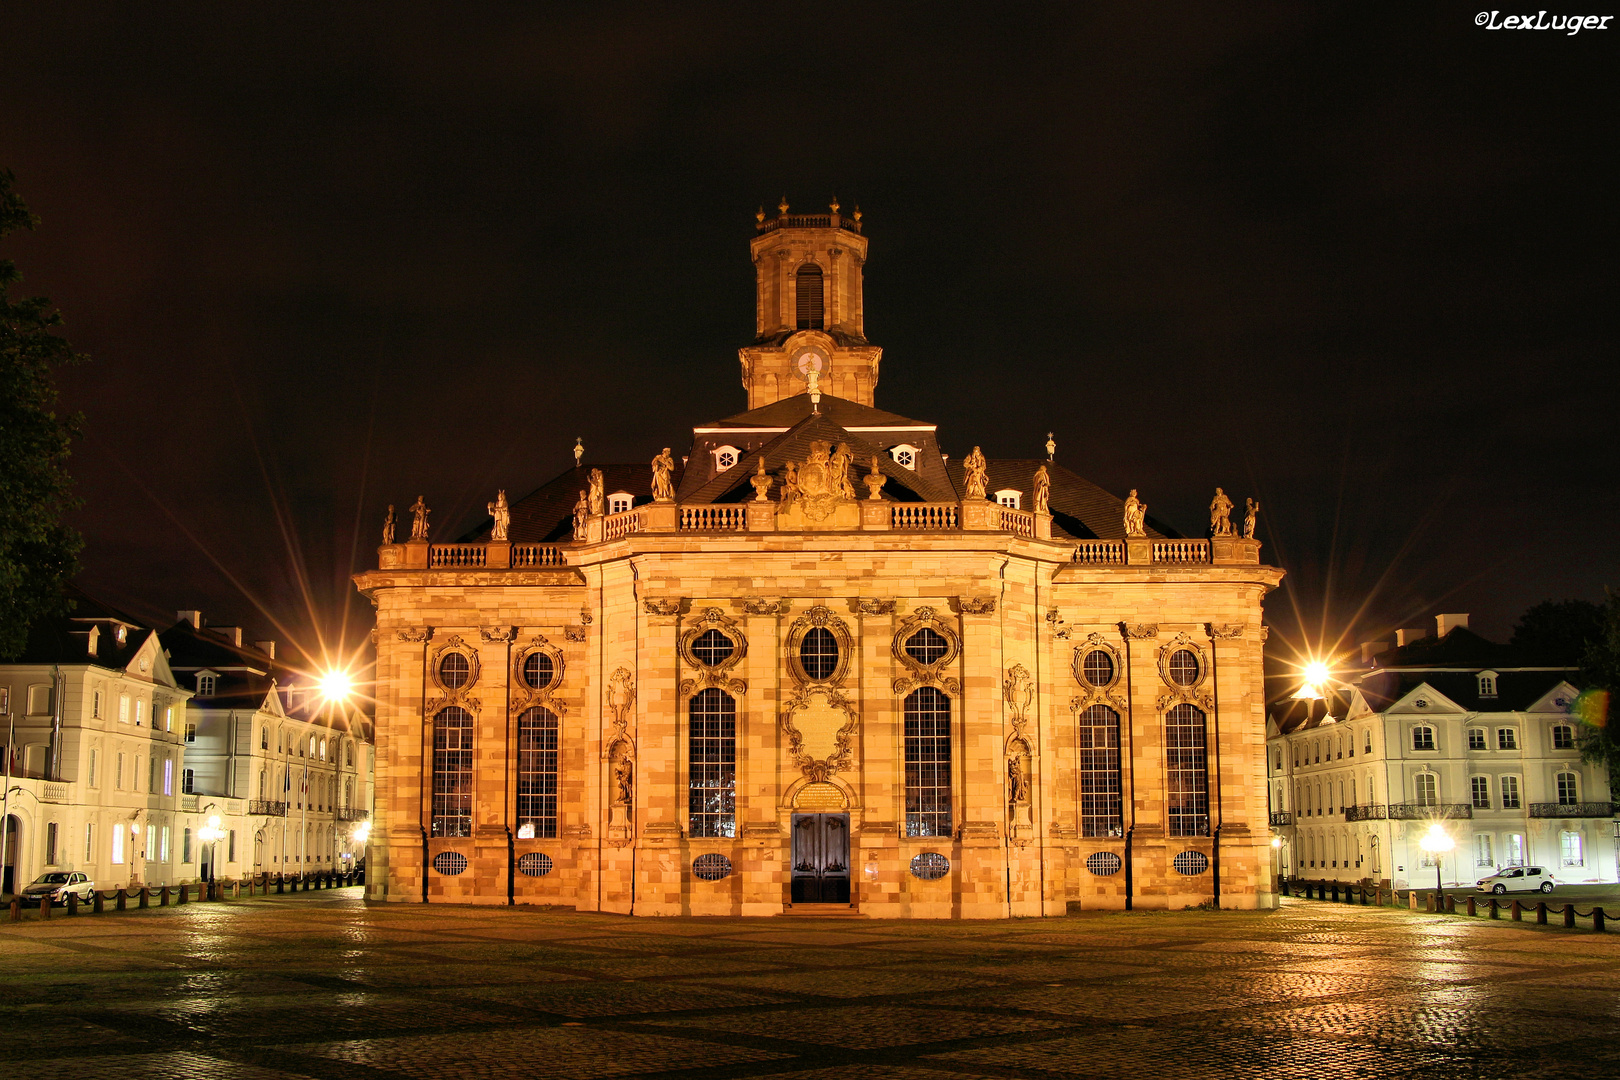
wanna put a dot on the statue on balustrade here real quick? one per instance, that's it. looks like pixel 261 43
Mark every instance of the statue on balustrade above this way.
pixel 502 513
pixel 663 490
pixel 1135 516
pixel 762 481
pixel 419 525
pixel 1250 517
pixel 388 526
pixel 838 472
pixel 582 509
pixel 974 474
pixel 874 482
pixel 1043 491
pixel 597 499
pixel 790 485
pixel 1220 515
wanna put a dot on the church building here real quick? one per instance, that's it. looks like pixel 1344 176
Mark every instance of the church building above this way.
pixel 813 664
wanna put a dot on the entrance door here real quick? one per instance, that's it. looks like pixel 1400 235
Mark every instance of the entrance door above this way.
pixel 821 858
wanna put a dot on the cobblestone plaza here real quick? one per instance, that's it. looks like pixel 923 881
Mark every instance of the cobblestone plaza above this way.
pixel 324 985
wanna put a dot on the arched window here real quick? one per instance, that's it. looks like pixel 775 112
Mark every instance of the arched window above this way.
pixel 807 290
pixel 1423 738
pixel 452 773
pixel 928 759
pixel 537 771
pixel 205 686
pixel 1101 812
pixel 264 738
pixel 712 758
pixel 1186 771
pixel 1563 737
pixel 818 653
pixel 1568 792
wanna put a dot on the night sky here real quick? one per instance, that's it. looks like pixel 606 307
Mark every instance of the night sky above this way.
pixel 1357 262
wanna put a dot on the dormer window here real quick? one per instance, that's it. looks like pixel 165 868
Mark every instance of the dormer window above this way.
pixel 726 457
pixel 1487 684
pixel 620 502
pixel 1010 498
pixel 904 455
pixel 205 685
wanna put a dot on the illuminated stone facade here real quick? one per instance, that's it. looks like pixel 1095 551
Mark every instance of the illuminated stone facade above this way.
pixel 818 672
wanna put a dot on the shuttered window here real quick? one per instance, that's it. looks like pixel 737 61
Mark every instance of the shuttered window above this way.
pixel 807 289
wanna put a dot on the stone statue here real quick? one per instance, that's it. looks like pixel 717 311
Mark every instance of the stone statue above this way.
pixel 973 472
pixel 1135 516
pixel 1249 518
pixel 1051 447
pixel 579 451
pixel 582 509
pixel 624 782
pixel 1220 515
pixel 662 489
pixel 874 482
pixel 502 515
pixel 1043 491
pixel 419 525
pixel 388 526
pixel 596 499
pixel 762 481
pixel 1017 780
pixel 790 484
pixel 838 467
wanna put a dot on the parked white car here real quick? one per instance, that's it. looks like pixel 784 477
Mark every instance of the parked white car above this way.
pixel 1517 879
pixel 58 884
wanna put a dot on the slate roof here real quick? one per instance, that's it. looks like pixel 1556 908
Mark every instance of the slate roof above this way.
pixel 1080 509
pixel 1515 690
pixel 546 514
pixel 64 640
pixel 793 410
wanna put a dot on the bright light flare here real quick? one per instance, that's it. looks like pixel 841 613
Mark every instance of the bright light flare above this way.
pixel 361 833
pixel 1316 673
pixel 336 686
pixel 1436 839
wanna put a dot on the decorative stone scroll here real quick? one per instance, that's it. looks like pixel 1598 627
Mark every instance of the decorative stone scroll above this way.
pixel 817 494
pixel 1140 632
pixel 1106 693
pixel 619 751
pixel 458 696
pixel 977 605
pixel 920 672
pixel 416 633
pixel 820 617
pixel 1226 630
pixel 525 696
pixel 493 634
pixel 874 607
pixel 662 606
pixel 819 722
pixel 717 675
pixel 1177 694
pixel 765 607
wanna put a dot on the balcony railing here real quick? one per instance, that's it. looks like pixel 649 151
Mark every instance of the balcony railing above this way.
pixel 1571 810
pixel 457 555
pixel 1181 551
pixel 1280 818
pixel 528 555
pixel 621 524
pixel 1100 552
pixel 1370 812
pixel 351 813
pixel 264 806
pixel 1017 522
pixel 1435 812
pixel 922 517
pixel 714 518
pixel 809 221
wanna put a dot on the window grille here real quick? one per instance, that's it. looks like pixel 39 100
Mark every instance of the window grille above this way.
pixel 538 671
pixel 818 653
pixel 1423 738
pixel 1482 792
pixel 450 863
pixel 1426 789
pixel 928 761
pixel 1563 737
pixel 1186 772
pixel 1476 738
pixel 1103 863
pixel 1510 793
pixel 1569 844
pixel 537 771
pixel 808 293
pixel 1568 794
pixel 1098 670
pixel 711 867
pixel 1183 667
pixel 1507 739
pixel 454 670
pixel 929 866
pixel 1190 863
pixel 712 760
pixel 452 773
pixel 1101 811
pixel 534 864
pixel 712 647
pixel 926 646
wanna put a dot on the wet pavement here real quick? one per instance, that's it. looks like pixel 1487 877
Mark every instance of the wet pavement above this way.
pixel 324 985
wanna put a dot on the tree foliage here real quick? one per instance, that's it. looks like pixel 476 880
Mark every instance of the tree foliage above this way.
pixel 1559 629
pixel 1599 683
pixel 38 551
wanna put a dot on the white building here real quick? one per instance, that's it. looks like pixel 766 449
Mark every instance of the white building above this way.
pixel 115 768
pixel 1452 729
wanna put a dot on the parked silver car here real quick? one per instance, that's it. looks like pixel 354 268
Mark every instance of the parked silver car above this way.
pixel 1517 879
pixel 58 884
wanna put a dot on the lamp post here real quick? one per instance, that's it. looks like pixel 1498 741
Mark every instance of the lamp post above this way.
pixel 211 834
pixel 1436 842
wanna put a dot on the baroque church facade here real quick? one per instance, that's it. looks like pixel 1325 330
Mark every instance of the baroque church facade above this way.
pixel 816 665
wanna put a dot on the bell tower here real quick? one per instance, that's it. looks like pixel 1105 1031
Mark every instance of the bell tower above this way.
pixel 808 309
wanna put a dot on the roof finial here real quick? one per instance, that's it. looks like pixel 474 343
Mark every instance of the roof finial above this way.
pixel 783 205
pixel 834 204
pixel 579 451
pixel 1051 447
pixel 759 215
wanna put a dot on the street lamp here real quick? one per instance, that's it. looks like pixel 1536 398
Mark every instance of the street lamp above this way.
pixel 211 834
pixel 1436 842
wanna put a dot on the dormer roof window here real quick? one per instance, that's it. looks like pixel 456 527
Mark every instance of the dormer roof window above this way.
pixel 1487 684
pixel 206 683
pixel 905 455
pixel 725 457
pixel 1010 498
pixel 620 502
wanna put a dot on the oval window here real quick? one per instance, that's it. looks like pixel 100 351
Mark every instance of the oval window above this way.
pixel 926 646
pixel 453 670
pixel 1103 863
pixel 1097 669
pixel 930 866
pixel 712 647
pixel 1183 667
pixel 538 671
pixel 450 863
pixel 534 864
pixel 711 867
pixel 1190 863
pixel 818 653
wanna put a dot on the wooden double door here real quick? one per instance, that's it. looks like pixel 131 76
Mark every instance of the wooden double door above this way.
pixel 821 858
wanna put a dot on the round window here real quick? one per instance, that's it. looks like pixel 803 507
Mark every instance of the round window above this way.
pixel 453 670
pixel 711 867
pixel 534 864
pixel 1184 667
pixel 926 646
pixel 1097 668
pixel 1190 863
pixel 450 863
pixel 818 653
pixel 930 866
pixel 538 671
pixel 712 647
pixel 1103 863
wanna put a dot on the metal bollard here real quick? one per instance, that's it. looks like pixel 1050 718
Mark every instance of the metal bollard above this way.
pixel 1472 907
pixel 1494 909
pixel 1516 912
pixel 1451 904
pixel 45 906
pixel 183 891
pixel 1569 916
pixel 96 902
pixel 279 886
pixel 73 903
pixel 1597 920
pixel 119 898
pixel 163 896
pixel 16 909
pixel 1541 913
pixel 145 897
